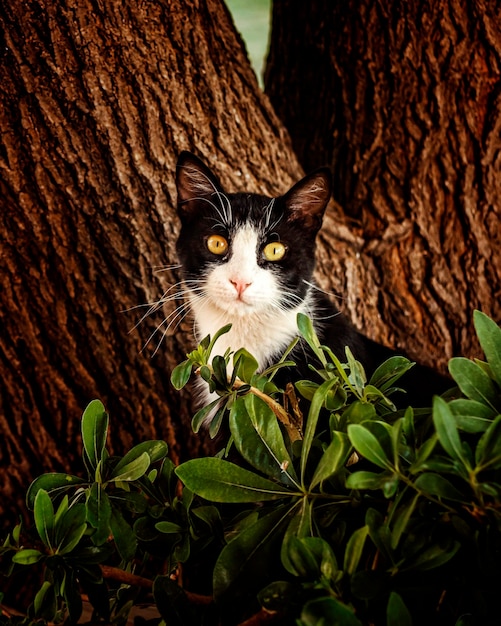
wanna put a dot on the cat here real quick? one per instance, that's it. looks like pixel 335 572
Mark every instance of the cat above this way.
pixel 248 260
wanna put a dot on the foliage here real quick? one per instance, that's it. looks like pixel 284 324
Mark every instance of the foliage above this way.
pixel 360 513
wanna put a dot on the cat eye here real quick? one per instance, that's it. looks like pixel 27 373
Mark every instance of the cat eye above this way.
pixel 274 251
pixel 217 245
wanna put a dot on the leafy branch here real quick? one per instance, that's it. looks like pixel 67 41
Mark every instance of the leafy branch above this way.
pixel 365 515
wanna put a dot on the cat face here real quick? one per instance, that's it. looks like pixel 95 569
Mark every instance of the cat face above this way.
pixel 246 255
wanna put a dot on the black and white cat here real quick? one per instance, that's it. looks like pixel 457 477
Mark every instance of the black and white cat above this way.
pixel 248 260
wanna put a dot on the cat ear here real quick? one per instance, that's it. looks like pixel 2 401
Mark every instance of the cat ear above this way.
pixel 307 200
pixel 194 180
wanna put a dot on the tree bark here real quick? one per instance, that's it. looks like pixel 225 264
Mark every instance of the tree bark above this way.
pixel 96 102
pixel 403 100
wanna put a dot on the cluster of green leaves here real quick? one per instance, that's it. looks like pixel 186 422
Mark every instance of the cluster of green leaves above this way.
pixel 369 499
pixel 125 512
pixel 359 513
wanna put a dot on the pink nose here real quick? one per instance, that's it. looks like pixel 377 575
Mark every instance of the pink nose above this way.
pixel 240 285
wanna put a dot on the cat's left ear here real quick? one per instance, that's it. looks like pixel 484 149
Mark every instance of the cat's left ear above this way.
pixel 307 200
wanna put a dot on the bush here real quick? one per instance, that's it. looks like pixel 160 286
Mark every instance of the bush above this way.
pixel 359 514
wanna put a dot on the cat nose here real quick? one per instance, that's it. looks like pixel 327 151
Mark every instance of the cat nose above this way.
pixel 240 285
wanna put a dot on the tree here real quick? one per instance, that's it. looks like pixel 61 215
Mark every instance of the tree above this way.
pixel 402 100
pixel 96 102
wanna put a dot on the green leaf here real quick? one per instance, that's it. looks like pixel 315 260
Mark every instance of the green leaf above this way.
pixel 359 412
pixel 397 613
pixel 219 370
pixel 299 526
pixel 71 594
pixel 98 513
pixel 488 450
pixel 70 528
pixel 168 528
pixel 181 374
pixel 357 375
pixel 259 439
pixel 445 426
pixel 306 388
pixel 44 604
pixel 52 483
pixel 473 381
pixel 219 333
pixel 389 372
pixel 133 470
pixel 390 484
pixel 471 416
pixel 379 533
pixel 434 556
pixel 401 519
pixel 311 423
pixel 302 558
pixel 222 481
pixel 123 535
pixel 436 485
pixel 205 373
pixel 424 453
pixel 333 459
pixel 336 398
pixel 366 444
pixel 202 414
pixel 306 329
pixel 242 559
pixel 217 420
pixel 278 596
pixel 27 557
pixel 328 612
pixel 156 450
pixel 489 335
pixel 311 557
pixel 61 511
pixel 94 431
pixel 247 365
pixel 44 517
pixel 365 480
pixel 354 549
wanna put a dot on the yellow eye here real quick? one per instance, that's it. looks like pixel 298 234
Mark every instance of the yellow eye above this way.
pixel 274 251
pixel 217 245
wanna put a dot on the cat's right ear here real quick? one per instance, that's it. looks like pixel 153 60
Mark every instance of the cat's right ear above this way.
pixel 194 180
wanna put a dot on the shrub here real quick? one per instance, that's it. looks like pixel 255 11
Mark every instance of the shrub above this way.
pixel 360 513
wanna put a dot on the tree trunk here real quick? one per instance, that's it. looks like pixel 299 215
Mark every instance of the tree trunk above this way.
pixel 403 100
pixel 96 102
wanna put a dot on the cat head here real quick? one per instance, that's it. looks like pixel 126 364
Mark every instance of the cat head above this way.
pixel 245 253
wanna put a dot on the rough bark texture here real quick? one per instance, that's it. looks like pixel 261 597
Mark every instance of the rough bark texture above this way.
pixel 96 101
pixel 404 101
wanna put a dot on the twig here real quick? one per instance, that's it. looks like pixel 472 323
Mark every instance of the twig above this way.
pixel 262 617
pixel 278 409
pixel 114 573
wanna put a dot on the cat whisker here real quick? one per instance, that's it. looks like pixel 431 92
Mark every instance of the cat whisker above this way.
pixel 268 209
pixel 154 306
pixel 166 268
pixel 174 319
pixel 178 291
pixel 331 294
